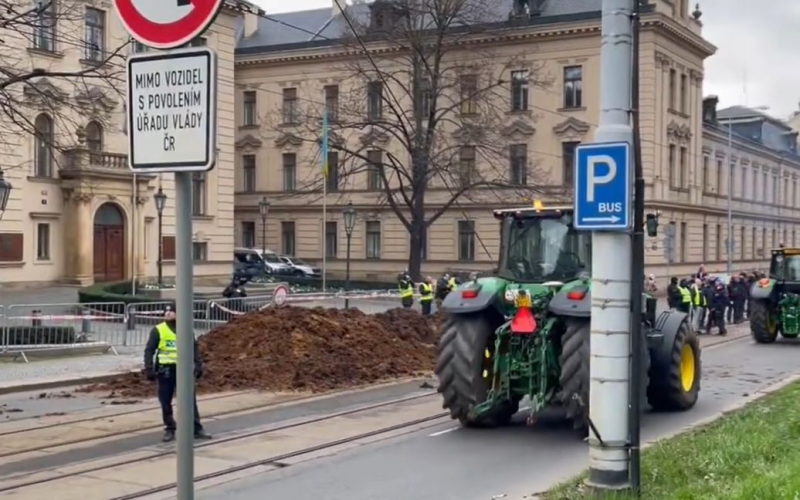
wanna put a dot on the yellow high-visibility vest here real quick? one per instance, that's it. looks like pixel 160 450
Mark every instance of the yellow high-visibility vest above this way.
pixel 686 297
pixel 167 345
pixel 426 290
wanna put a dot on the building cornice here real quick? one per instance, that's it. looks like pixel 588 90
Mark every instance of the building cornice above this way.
pixel 720 136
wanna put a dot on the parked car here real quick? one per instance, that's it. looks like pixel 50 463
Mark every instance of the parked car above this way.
pixel 300 267
pixel 250 264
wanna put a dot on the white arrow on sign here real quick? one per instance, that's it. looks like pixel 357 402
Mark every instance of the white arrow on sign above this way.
pixel 611 219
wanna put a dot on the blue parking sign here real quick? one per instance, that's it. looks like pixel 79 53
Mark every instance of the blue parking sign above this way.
pixel 603 187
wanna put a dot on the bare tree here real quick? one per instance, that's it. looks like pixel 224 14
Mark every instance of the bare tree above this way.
pixel 54 62
pixel 423 112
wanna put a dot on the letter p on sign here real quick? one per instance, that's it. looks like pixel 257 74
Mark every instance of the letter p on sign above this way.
pixel 594 179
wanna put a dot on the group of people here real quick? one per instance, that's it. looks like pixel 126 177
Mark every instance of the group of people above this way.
pixel 429 290
pixel 709 301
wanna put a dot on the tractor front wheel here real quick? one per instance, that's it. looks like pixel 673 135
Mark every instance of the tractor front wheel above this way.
pixel 675 372
pixel 465 370
pixel 763 326
pixel 574 379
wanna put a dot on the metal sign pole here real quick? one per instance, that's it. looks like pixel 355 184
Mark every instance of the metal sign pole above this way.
pixel 185 313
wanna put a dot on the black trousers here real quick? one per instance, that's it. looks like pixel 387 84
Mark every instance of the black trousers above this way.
pixel 167 384
pixel 738 310
pixel 407 301
pixel 426 306
pixel 717 319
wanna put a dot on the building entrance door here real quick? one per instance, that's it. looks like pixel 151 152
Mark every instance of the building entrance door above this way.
pixel 109 244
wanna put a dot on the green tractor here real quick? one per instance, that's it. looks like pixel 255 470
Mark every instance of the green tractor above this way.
pixel 525 332
pixel 775 301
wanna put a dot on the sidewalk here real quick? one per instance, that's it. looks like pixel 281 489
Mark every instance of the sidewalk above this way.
pixel 18 376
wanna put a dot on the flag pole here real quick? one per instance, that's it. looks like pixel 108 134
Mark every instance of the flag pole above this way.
pixel 324 197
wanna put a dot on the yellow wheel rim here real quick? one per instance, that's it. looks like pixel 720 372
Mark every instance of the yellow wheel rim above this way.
pixel 687 368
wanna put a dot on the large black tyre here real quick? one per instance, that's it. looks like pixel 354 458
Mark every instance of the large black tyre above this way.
pixel 671 387
pixel 574 379
pixel 763 330
pixel 460 368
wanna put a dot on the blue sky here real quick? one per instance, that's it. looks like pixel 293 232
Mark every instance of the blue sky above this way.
pixel 757 62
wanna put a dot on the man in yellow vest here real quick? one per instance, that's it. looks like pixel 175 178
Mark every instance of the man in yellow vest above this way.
pixel 685 304
pixel 160 363
pixel 406 287
pixel 426 295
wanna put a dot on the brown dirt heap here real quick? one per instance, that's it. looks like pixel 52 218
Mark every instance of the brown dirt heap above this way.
pixel 295 348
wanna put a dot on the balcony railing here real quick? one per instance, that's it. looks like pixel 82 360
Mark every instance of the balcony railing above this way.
pixel 82 159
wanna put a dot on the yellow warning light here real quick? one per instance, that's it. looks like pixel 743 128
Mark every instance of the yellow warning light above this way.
pixel 537 204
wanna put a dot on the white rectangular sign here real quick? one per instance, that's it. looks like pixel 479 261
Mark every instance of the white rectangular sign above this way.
pixel 172 104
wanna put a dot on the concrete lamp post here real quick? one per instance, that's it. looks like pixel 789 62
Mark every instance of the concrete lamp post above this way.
pixel 5 192
pixel 161 201
pixel 349 225
pixel 263 208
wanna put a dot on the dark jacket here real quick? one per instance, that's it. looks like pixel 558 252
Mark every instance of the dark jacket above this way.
pixel 708 293
pixel 151 349
pixel 720 301
pixel 673 295
pixel 234 291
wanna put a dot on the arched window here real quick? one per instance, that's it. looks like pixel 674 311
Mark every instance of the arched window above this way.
pixel 43 144
pixel 94 137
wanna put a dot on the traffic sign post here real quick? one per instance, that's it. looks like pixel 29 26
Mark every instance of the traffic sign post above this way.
pixel 172 106
pixel 603 187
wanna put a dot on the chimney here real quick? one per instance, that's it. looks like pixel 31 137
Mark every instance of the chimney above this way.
pixel 710 109
pixel 250 24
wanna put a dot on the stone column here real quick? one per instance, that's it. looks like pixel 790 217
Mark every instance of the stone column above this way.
pixel 84 249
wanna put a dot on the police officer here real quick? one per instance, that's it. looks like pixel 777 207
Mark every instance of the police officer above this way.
pixel 442 289
pixel 426 295
pixel 452 283
pixel 160 363
pixel 673 293
pixel 719 303
pixel 406 287
pixel 685 303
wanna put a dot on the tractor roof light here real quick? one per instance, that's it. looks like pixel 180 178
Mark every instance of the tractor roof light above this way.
pixel 763 283
pixel 577 294
pixel 470 293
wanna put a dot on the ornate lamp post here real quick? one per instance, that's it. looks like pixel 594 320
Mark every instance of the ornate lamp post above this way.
pixel 5 192
pixel 263 208
pixel 161 201
pixel 349 225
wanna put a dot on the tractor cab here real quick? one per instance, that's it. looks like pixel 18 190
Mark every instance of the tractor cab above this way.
pixel 541 245
pixel 785 266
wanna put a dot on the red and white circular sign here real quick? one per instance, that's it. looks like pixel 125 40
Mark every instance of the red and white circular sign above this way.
pixel 280 294
pixel 166 24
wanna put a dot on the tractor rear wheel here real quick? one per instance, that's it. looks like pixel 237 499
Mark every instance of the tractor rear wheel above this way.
pixel 675 372
pixel 574 379
pixel 763 326
pixel 465 371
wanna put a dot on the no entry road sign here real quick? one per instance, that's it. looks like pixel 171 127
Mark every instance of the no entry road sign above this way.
pixel 171 111
pixel 603 187
pixel 166 24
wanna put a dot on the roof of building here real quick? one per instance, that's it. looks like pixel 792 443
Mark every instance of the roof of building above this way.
pixel 315 27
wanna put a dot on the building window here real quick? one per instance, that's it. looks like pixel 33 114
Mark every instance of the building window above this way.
pixel 741 243
pixel 793 200
pixel 519 90
pixel 794 237
pixel 423 243
pixel 331 239
pixel 332 102
pixel 373 239
pixel 95 34
pixel 94 137
pixel 764 246
pixel 199 251
pixel 289 106
pixel 466 165
pixel 705 180
pixel 425 94
pixel 720 176
pixel 753 242
pixel 705 242
pixel 775 192
pixel 289 172
pixel 785 200
pixel 719 243
pixel 573 87
pixel 11 247
pixel 44 142
pixel 375 101
pixel 469 91
pixel 198 194
pixel 519 164
pixel 250 107
pixel 44 29
pixel 764 187
pixel 466 240
pixel 684 243
pixel 684 94
pixel 774 239
pixel 249 173
pixel 744 183
pixel 674 174
pixel 287 238
pixel 374 170
pixel 568 162
pixel 784 240
pixel 248 234
pixel 732 177
pixel 333 172
pixel 684 169
pixel 43 242
pixel 672 90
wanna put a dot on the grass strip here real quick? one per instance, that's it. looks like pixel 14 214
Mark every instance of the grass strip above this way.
pixel 750 454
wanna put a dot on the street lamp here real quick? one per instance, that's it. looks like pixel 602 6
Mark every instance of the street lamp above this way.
pixel 161 201
pixel 729 243
pixel 5 192
pixel 263 208
pixel 349 224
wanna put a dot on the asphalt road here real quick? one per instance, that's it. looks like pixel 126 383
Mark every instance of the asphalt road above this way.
pixel 446 462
